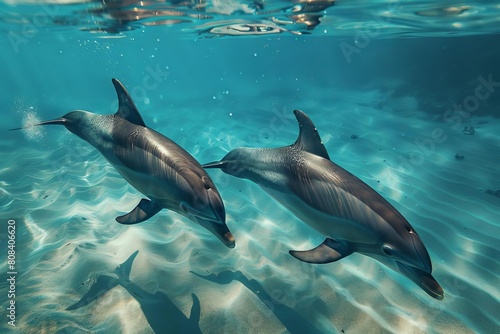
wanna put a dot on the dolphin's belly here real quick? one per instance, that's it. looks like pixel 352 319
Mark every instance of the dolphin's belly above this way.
pixel 155 179
pixel 167 192
pixel 360 227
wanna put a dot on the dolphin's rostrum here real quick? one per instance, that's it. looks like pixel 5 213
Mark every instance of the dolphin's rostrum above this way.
pixel 155 165
pixel 350 214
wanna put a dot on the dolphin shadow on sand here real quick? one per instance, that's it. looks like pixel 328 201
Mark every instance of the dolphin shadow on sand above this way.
pixel 161 313
pixel 293 321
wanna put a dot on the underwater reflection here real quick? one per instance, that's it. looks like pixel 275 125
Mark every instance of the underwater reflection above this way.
pixel 263 18
pixel 159 310
pixel 291 319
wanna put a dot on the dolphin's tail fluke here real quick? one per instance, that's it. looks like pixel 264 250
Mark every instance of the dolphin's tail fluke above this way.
pixel 60 121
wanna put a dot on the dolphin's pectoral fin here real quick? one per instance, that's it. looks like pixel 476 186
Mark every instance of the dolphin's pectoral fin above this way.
pixel 329 251
pixel 143 211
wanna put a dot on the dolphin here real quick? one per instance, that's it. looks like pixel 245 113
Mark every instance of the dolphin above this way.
pixel 350 214
pixel 153 164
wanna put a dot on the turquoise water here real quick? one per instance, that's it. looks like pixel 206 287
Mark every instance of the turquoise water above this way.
pixel 405 95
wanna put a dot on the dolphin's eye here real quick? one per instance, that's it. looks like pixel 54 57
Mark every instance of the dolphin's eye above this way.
pixel 206 182
pixel 387 250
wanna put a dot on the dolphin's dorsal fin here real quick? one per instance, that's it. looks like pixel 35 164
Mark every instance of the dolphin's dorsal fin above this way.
pixel 309 139
pixel 126 107
pixel 124 269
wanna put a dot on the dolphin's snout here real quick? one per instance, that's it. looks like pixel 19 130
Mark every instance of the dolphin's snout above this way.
pixel 413 261
pixel 424 260
pixel 229 239
pixel 58 121
pixel 221 231
pixel 423 279
pixel 218 225
pixel 412 253
pixel 432 287
pixel 213 164
pixel 217 206
pixel 233 163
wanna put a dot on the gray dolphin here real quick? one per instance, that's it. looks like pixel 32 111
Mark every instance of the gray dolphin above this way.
pixel 352 216
pixel 153 164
